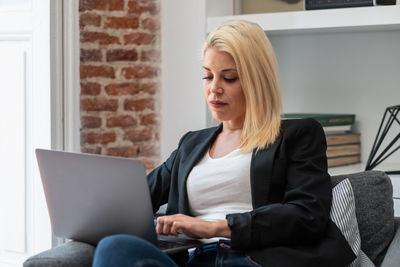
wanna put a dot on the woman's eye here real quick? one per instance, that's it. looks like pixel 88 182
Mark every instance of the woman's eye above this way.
pixel 207 78
pixel 230 80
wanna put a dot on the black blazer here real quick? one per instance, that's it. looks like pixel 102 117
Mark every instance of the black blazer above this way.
pixel 291 196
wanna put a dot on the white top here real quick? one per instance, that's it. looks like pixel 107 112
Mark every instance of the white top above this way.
pixel 220 186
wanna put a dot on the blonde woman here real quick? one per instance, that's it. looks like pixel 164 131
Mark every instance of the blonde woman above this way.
pixel 258 183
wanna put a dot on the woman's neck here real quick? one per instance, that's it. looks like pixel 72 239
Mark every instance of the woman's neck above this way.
pixel 232 126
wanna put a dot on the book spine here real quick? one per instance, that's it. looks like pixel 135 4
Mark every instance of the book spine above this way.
pixel 324 119
pixel 326 4
pixel 342 161
pixel 342 139
pixel 335 121
pixel 343 150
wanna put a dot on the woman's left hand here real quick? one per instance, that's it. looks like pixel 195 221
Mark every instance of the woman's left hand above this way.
pixel 192 227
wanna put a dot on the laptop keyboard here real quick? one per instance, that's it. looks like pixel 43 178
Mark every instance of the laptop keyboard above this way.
pixel 176 243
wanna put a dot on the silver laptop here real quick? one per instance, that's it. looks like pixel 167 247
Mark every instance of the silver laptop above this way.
pixel 92 196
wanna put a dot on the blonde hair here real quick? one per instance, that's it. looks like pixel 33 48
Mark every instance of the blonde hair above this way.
pixel 257 69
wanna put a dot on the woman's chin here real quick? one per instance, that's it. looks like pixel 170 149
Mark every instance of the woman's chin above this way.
pixel 218 118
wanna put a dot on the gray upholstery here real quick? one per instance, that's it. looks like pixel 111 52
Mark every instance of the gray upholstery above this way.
pixel 392 256
pixel 71 254
pixel 374 212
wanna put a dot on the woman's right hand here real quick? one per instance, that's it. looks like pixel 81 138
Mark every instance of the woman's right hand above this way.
pixel 191 226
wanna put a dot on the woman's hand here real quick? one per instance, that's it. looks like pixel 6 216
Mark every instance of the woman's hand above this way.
pixel 192 227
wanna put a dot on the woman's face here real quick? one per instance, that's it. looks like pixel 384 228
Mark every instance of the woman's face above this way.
pixel 222 87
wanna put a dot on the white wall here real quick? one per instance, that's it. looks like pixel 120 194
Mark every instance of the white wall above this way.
pixel 183 105
pixel 183 32
pixel 355 72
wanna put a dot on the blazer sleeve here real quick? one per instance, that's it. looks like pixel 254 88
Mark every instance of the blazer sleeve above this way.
pixel 159 179
pixel 302 216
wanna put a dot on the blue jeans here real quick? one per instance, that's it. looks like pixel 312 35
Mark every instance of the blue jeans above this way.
pixel 132 251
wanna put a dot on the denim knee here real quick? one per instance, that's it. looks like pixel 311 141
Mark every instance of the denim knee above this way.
pixel 120 240
pixel 127 250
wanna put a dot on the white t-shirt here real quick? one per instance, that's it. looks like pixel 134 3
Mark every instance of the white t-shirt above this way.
pixel 220 186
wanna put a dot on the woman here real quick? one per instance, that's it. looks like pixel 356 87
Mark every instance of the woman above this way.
pixel 259 182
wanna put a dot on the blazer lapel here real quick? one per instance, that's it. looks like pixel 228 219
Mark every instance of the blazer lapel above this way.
pixel 261 173
pixel 197 152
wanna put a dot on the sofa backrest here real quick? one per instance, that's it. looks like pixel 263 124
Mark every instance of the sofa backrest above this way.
pixel 373 194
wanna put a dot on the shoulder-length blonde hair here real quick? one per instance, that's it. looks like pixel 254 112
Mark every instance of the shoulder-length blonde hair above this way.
pixel 257 69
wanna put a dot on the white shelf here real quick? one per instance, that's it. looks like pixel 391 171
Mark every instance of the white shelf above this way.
pixel 343 19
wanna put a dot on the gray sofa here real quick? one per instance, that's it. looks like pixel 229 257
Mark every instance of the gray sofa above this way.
pixel 379 229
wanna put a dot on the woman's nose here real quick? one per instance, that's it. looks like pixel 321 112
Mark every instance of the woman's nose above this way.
pixel 216 87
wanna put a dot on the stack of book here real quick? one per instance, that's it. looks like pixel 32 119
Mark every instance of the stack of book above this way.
pixel 343 149
pixel 343 145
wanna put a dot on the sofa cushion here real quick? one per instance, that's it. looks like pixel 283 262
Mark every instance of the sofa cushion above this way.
pixel 343 214
pixel 374 210
pixel 72 253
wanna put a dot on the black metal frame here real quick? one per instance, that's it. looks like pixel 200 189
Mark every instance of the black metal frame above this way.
pixel 373 161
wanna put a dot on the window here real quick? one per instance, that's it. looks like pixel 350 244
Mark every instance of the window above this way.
pixel 25 125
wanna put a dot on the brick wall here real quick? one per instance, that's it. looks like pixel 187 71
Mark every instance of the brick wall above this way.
pixel 120 78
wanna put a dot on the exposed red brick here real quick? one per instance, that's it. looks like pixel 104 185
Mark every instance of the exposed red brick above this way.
pixel 140 104
pixel 98 37
pixel 92 5
pixel 101 5
pixel 99 104
pixel 138 72
pixel 130 35
pixel 116 5
pixel 122 89
pixel 126 151
pixel 141 6
pixel 122 22
pixel 139 38
pixel 151 24
pixel 98 138
pixel 122 54
pixel 90 122
pixel 149 150
pixel 149 119
pixel 90 55
pixel 151 55
pixel 96 150
pixel 89 19
pixel 90 88
pixel 88 71
pixel 138 134
pixel 121 121
pixel 149 87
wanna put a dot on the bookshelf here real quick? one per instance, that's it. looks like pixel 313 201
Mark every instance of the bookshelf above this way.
pixel 337 61
pixel 321 21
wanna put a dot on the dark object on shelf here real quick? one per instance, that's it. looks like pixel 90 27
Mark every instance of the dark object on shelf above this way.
pixel 385 2
pixel 324 4
pixel 373 160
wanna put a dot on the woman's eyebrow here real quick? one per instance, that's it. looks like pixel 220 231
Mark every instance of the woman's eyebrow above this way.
pixel 225 70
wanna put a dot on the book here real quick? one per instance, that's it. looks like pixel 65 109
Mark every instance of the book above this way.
pixel 343 150
pixel 325 119
pixel 336 129
pixel 342 139
pixel 324 4
pixel 345 160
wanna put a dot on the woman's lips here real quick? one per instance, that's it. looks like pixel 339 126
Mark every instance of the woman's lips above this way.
pixel 217 104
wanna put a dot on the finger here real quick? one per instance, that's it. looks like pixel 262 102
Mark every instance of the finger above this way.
pixel 176 228
pixel 167 226
pixel 159 225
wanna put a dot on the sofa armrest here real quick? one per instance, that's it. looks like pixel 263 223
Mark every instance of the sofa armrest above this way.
pixel 70 254
pixel 392 256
